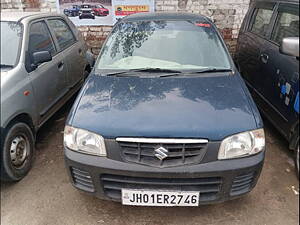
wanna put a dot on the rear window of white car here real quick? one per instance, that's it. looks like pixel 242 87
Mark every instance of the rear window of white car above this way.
pixel 62 33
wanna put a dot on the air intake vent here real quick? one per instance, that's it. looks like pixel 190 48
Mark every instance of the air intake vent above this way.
pixel 209 187
pixel 82 180
pixel 174 154
pixel 242 184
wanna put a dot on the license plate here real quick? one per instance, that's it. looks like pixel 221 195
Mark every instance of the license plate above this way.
pixel 159 198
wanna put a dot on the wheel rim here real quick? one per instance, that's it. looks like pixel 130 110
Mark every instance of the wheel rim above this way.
pixel 19 150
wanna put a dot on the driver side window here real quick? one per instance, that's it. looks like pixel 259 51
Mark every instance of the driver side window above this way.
pixel 40 38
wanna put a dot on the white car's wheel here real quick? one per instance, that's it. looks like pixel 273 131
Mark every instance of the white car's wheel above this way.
pixel 17 152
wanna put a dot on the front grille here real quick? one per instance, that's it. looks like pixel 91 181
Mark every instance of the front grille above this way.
pixel 82 180
pixel 242 184
pixel 178 153
pixel 209 187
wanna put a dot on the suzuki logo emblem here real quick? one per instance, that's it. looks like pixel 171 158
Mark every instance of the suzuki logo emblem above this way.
pixel 161 153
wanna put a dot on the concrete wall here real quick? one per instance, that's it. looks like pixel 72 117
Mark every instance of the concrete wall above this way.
pixel 227 14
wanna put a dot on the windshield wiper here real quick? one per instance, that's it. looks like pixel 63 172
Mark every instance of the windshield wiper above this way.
pixel 6 65
pixel 148 70
pixel 207 70
pixel 170 72
pixel 211 70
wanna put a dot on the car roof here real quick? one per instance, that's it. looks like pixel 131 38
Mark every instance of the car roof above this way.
pixel 164 16
pixel 18 16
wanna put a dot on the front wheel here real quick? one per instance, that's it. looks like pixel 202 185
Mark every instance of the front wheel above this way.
pixel 17 152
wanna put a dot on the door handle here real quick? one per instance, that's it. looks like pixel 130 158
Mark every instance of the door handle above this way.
pixel 60 66
pixel 264 58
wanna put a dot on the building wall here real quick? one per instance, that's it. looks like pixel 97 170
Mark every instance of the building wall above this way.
pixel 227 15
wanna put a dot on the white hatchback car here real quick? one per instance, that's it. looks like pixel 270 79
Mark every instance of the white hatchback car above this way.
pixel 44 61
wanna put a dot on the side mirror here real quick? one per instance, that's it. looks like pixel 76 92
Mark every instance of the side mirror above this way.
pixel 290 46
pixel 41 57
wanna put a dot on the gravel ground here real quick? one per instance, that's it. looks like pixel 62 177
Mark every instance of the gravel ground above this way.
pixel 45 196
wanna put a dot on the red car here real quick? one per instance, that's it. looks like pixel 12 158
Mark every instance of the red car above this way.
pixel 100 10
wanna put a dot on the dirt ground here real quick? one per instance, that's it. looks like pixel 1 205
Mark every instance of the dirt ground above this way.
pixel 45 196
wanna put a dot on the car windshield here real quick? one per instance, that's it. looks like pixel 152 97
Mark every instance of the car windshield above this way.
pixel 177 45
pixel 11 35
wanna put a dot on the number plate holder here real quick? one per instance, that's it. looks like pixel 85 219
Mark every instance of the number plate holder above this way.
pixel 140 197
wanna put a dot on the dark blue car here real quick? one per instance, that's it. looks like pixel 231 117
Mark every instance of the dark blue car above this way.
pixel 73 11
pixel 165 118
pixel 268 59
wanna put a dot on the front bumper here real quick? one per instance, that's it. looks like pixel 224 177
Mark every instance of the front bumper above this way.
pixel 87 15
pixel 217 181
pixel 101 13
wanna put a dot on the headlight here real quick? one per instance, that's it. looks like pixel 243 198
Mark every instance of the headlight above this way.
pixel 84 141
pixel 243 144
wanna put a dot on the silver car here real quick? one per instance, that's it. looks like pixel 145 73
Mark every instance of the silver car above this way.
pixel 44 61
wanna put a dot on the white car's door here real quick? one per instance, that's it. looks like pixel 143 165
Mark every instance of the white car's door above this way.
pixel 49 79
pixel 72 49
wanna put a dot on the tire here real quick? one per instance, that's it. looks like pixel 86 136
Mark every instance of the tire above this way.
pixel 17 152
pixel 296 159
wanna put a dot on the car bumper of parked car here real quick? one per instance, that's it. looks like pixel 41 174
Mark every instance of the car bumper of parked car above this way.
pixel 103 13
pixel 216 181
pixel 87 15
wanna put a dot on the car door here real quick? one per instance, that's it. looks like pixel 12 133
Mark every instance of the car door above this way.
pixel 251 41
pixel 49 78
pixel 71 48
pixel 281 72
